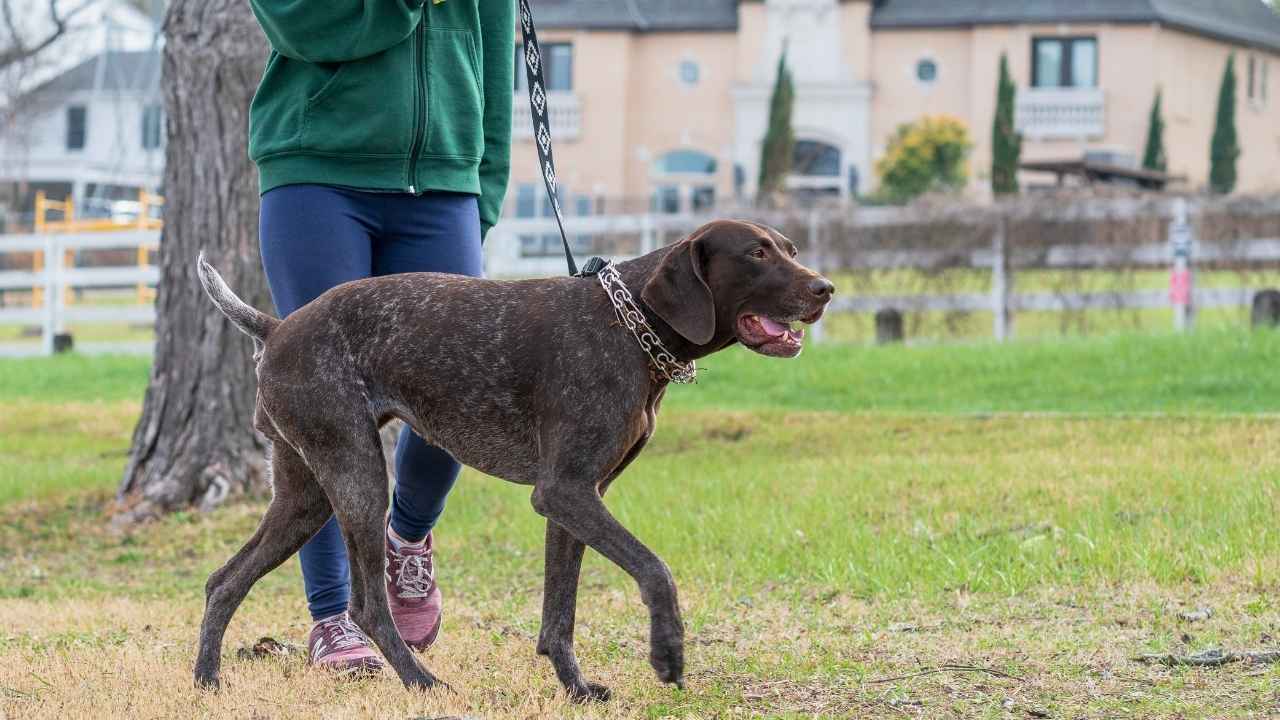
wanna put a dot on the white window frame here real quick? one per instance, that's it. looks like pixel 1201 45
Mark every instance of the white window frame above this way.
pixel 687 184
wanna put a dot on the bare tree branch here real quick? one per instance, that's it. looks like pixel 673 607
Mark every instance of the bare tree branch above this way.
pixel 18 49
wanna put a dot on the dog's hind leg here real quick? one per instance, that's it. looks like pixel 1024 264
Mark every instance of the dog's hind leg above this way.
pixel 297 511
pixel 354 473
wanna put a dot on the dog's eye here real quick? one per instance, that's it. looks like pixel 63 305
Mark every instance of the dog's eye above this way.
pixel 758 253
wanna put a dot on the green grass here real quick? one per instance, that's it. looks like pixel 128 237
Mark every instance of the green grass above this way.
pixel 74 378
pixel 50 449
pixel 905 507
pixel 1042 508
pixel 1218 371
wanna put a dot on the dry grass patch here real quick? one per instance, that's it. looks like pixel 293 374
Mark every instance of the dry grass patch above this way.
pixel 1054 654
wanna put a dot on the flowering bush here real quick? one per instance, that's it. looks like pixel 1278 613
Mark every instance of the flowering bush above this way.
pixel 928 155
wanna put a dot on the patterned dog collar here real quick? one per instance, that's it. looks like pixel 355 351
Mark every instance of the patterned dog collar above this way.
pixel 630 315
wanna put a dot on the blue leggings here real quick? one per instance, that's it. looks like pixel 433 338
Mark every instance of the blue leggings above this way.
pixel 315 237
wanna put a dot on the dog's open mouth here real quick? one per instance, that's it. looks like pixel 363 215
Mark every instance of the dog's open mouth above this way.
pixel 774 337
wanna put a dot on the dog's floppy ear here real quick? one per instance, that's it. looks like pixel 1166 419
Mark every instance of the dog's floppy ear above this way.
pixel 678 293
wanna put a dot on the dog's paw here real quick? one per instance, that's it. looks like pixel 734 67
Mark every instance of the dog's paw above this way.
pixel 208 683
pixel 428 682
pixel 667 660
pixel 590 692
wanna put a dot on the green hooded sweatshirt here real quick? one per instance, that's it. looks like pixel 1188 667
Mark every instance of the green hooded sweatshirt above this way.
pixel 391 95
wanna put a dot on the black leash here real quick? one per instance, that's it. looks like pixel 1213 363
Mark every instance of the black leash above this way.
pixel 542 135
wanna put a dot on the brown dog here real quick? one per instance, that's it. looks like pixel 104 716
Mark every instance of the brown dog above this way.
pixel 536 382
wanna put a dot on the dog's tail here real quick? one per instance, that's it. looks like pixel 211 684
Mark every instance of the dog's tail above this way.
pixel 255 324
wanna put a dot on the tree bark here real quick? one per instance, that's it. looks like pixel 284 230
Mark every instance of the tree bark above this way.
pixel 194 444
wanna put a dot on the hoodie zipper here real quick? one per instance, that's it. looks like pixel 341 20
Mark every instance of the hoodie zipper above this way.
pixel 420 100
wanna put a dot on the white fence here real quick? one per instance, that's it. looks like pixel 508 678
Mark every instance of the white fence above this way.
pixel 634 234
pixel 56 277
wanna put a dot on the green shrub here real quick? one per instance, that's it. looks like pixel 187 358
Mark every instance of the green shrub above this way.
pixel 928 155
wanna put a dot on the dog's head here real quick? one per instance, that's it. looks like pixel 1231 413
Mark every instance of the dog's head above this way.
pixel 737 280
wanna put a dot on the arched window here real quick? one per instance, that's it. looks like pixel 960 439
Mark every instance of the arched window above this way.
pixel 684 181
pixel 815 158
pixel 683 162
pixel 817 172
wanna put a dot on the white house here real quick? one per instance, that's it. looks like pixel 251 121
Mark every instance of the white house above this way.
pixel 72 118
pixel 95 132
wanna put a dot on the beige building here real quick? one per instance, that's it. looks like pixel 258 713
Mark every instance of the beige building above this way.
pixel 664 104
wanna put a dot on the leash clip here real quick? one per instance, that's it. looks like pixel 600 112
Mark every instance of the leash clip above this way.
pixel 593 267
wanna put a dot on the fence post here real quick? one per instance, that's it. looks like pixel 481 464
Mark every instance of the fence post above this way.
pixel 1181 283
pixel 69 262
pixel 1000 281
pixel 37 266
pixel 647 236
pixel 815 248
pixel 143 259
pixel 51 294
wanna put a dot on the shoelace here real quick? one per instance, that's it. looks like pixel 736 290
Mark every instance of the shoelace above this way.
pixel 415 575
pixel 344 635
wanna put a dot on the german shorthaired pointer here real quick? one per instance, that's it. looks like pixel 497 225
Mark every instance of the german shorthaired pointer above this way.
pixel 550 383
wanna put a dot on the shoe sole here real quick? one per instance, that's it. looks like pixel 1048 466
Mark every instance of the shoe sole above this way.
pixel 367 667
pixel 431 638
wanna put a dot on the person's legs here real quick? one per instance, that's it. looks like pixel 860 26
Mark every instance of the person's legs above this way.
pixel 313 238
pixel 435 232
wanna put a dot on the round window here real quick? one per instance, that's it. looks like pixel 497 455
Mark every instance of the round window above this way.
pixel 926 71
pixel 689 72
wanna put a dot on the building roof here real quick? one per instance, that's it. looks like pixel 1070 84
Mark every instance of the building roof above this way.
pixel 123 71
pixel 1248 22
pixel 638 15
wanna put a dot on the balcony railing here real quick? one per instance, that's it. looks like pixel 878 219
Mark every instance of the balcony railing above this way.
pixel 1061 113
pixel 564 111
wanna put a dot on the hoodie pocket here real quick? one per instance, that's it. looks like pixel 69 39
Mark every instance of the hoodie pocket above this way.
pixel 363 108
pixel 455 108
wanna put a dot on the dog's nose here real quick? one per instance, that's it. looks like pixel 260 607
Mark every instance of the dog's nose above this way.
pixel 822 287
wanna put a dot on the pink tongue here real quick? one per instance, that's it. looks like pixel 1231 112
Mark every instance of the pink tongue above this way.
pixel 771 327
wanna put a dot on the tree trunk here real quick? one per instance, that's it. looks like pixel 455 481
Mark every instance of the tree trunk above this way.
pixel 195 444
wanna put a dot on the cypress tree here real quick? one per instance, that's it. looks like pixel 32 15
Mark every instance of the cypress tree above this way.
pixel 1006 144
pixel 779 139
pixel 1154 157
pixel 1225 149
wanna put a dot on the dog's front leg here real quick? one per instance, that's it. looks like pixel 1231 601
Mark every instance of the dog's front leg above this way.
pixel 578 508
pixel 559 606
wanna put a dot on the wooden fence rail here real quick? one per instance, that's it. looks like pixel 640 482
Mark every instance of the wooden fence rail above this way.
pixel 832 242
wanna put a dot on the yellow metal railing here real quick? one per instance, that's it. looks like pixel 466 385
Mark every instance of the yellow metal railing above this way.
pixel 69 224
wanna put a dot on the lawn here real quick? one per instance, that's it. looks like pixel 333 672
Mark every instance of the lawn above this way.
pixel 843 527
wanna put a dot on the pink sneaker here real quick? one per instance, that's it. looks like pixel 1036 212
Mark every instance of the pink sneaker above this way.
pixel 337 644
pixel 415 600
